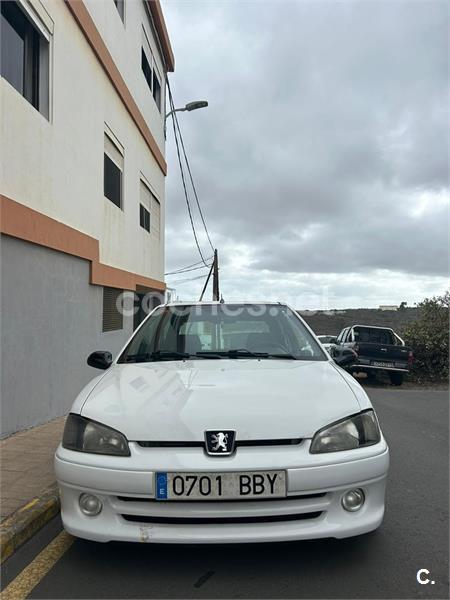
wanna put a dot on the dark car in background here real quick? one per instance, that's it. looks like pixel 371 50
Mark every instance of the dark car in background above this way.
pixel 377 349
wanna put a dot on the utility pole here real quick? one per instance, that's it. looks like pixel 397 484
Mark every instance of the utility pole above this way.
pixel 206 282
pixel 215 273
pixel 216 294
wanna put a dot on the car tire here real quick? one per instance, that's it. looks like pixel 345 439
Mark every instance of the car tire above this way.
pixel 396 378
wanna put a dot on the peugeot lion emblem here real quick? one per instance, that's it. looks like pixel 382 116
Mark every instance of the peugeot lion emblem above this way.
pixel 220 442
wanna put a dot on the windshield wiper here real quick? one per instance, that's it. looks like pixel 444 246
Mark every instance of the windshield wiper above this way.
pixel 244 353
pixel 208 354
pixel 158 355
pixel 237 353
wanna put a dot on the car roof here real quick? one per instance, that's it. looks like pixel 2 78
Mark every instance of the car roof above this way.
pixel 373 327
pixel 219 303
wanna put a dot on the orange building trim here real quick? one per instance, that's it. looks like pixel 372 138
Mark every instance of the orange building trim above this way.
pixel 22 222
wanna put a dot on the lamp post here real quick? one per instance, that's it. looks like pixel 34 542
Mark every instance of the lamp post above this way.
pixel 189 106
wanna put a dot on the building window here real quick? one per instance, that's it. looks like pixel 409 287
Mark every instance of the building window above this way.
pixel 112 172
pixel 145 206
pixel 112 316
pixel 151 72
pixel 157 88
pixel 150 204
pixel 144 218
pixel 156 217
pixel 146 69
pixel 24 56
pixel 120 5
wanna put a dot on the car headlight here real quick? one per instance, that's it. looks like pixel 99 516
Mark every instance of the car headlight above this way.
pixel 352 432
pixel 84 435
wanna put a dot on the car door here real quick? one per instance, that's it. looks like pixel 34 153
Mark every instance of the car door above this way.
pixel 348 340
pixel 339 340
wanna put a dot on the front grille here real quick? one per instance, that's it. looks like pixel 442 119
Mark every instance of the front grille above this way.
pixel 194 444
pixel 209 502
pixel 220 520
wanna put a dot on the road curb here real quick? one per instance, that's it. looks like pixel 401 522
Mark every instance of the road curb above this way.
pixel 27 520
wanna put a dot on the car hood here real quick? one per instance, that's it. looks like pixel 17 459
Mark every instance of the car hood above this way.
pixel 259 399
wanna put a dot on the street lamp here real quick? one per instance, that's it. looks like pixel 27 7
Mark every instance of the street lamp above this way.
pixel 189 106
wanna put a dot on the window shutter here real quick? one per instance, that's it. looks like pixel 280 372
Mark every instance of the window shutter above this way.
pixel 112 318
pixel 156 216
pixel 146 196
pixel 113 152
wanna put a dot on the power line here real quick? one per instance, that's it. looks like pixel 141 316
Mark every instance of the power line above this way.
pixel 188 267
pixel 207 281
pixel 186 280
pixel 192 181
pixel 172 106
pixel 187 270
pixel 193 264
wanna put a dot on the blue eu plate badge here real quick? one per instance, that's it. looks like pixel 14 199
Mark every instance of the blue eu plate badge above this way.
pixel 161 486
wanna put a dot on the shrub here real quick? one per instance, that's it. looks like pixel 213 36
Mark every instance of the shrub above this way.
pixel 429 338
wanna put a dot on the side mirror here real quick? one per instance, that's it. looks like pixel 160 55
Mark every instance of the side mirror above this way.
pixel 100 359
pixel 344 358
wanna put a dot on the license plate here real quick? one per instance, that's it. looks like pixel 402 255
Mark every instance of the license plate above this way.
pixel 382 364
pixel 220 486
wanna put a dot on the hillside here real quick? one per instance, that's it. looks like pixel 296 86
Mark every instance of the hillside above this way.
pixel 322 322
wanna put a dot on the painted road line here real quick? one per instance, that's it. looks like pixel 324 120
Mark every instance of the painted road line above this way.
pixel 19 527
pixel 28 579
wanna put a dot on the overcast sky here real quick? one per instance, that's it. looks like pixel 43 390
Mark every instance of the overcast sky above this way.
pixel 322 160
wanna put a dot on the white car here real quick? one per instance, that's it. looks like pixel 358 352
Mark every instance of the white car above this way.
pixel 327 341
pixel 221 422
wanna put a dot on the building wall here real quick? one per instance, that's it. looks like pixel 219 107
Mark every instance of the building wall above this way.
pixel 56 166
pixel 51 322
pixel 124 42
pixel 52 275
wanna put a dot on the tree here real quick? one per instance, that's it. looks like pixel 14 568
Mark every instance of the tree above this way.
pixel 429 338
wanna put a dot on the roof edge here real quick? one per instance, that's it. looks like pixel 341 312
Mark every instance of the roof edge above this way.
pixel 161 29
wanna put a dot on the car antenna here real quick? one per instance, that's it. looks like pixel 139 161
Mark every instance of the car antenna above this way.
pixel 221 299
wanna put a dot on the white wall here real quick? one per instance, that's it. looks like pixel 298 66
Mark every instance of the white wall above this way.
pixel 124 42
pixel 56 166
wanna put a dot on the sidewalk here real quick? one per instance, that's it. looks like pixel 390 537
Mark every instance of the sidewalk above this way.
pixel 27 489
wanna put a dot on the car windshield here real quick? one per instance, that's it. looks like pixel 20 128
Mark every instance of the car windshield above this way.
pixel 217 331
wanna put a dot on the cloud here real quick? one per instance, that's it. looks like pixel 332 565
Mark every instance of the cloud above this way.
pixel 322 160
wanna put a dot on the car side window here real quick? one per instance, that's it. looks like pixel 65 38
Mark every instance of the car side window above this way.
pixel 349 336
pixel 342 335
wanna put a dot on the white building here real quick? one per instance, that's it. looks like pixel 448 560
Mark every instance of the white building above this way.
pixel 82 97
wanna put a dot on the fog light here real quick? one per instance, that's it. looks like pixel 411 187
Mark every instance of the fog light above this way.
pixel 90 505
pixel 353 500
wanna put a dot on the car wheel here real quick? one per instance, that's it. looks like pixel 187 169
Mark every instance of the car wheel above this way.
pixel 396 378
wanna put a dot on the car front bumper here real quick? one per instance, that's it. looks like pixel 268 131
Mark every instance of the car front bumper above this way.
pixel 312 508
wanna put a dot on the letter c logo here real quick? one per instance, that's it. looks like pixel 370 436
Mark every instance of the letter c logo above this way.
pixel 419 576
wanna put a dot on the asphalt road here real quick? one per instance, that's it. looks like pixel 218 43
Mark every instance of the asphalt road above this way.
pixel 414 535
